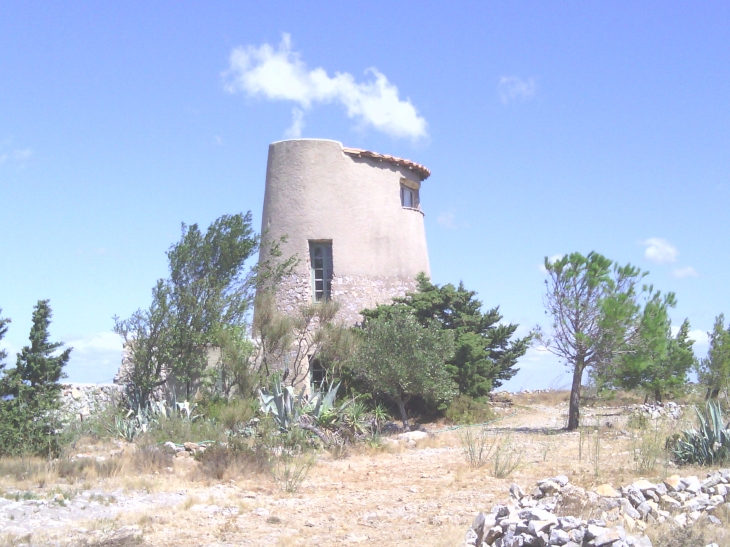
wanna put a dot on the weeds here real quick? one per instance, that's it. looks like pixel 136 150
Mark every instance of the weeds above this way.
pixel 290 469
pixel 506 459
pixel 479 449
pixel 476 445
pixel 648 448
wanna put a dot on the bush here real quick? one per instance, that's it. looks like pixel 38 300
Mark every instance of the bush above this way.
pixel 231 459
pixel 466 410
pixel 233 415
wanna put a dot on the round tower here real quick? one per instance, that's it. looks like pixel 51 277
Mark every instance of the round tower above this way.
pixel 352 218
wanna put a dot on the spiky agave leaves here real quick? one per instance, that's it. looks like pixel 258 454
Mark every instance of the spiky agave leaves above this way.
pixel 707 445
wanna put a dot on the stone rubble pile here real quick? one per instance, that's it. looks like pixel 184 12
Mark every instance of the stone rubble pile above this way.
pixel 83 400
pixel 660 410
pixel 530 519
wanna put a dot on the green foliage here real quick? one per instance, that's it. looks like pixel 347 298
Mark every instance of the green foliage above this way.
pixel 399 359
pixel 286 406
pixel 3 331
pixel 29 420
pixel 484 353
pixel 235 372
pixel 233 414
pixel 714 370
pixel 655 361
pixel 592 304
pixel 466 410
pixel 206 293
pixel 707 445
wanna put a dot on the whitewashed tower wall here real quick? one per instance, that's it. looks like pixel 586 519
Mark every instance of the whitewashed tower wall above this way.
pixel 351 202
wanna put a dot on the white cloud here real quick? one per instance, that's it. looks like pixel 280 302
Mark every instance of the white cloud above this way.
pixel 280 75
pixel 660 251
pixel 513 88
pixel 551 259
pixel 446 220
pixel 687 271
pixel 297 124
pixel 17 155
pixel 94 358
pixel 699 336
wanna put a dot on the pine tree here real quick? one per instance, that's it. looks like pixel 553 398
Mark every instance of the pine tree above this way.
pixel 714 370
pixel 29 392
pixel 36 365
pixel 656 361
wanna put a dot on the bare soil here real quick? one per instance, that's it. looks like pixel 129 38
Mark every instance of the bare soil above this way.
pixel 422 495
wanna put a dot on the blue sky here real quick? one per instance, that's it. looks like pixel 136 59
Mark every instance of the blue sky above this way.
pixel 549 127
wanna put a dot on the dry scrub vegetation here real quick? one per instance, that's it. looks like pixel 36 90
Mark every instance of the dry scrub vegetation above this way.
pixel 424 492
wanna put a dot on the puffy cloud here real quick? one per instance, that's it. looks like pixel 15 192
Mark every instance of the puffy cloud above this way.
pixel 687 271
pixel 279 74
pixel 659 251
pixel 94 358
pixel 513 88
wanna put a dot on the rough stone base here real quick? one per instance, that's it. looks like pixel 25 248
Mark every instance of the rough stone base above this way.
pixel 353 293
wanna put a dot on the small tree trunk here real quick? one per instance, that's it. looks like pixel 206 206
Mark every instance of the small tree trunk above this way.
pixel 658 395
pixel 574 409
pixel 403 414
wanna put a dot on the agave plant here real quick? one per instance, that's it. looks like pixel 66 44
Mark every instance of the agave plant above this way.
pixel 707 445
pixel 132 424
pixel 283 403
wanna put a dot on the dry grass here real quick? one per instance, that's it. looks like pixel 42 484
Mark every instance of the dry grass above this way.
pixel 390 494
pixel 548 398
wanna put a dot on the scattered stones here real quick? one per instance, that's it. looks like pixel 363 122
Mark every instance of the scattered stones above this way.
pixel 530 519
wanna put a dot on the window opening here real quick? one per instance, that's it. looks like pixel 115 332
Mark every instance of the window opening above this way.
pixel 408 197
pixel 317 373
pixel 321 259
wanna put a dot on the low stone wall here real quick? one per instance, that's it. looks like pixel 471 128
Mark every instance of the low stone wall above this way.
pixel 530 519
pixel 83 400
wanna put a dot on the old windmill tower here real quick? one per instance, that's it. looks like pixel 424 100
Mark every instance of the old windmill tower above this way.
pixel 353 219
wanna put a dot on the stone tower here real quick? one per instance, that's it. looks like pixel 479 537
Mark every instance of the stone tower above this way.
pixel 352 218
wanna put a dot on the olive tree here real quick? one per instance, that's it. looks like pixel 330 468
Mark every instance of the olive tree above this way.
pixel 399 358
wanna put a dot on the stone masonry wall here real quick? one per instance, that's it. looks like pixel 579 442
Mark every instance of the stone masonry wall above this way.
pixel 354 293
pixel 83 400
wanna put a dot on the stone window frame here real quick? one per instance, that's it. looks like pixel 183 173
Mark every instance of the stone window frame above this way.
pixel 409 193
pixel 325 245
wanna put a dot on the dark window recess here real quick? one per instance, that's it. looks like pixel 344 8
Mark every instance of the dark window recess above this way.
pixel 317 373
pixel 321 259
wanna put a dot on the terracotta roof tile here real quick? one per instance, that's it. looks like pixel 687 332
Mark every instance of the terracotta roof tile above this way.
pixel 421 170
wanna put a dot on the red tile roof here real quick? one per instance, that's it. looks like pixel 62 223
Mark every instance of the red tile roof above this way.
pixel 421 170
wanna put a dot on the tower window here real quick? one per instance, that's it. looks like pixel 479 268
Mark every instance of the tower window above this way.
pixel 408 197
pixel 320 255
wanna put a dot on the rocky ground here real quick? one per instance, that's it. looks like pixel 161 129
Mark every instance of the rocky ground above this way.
pixel 421 492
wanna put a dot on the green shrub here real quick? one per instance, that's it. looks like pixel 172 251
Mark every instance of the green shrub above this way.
pixel 466 410
pixel 233 415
